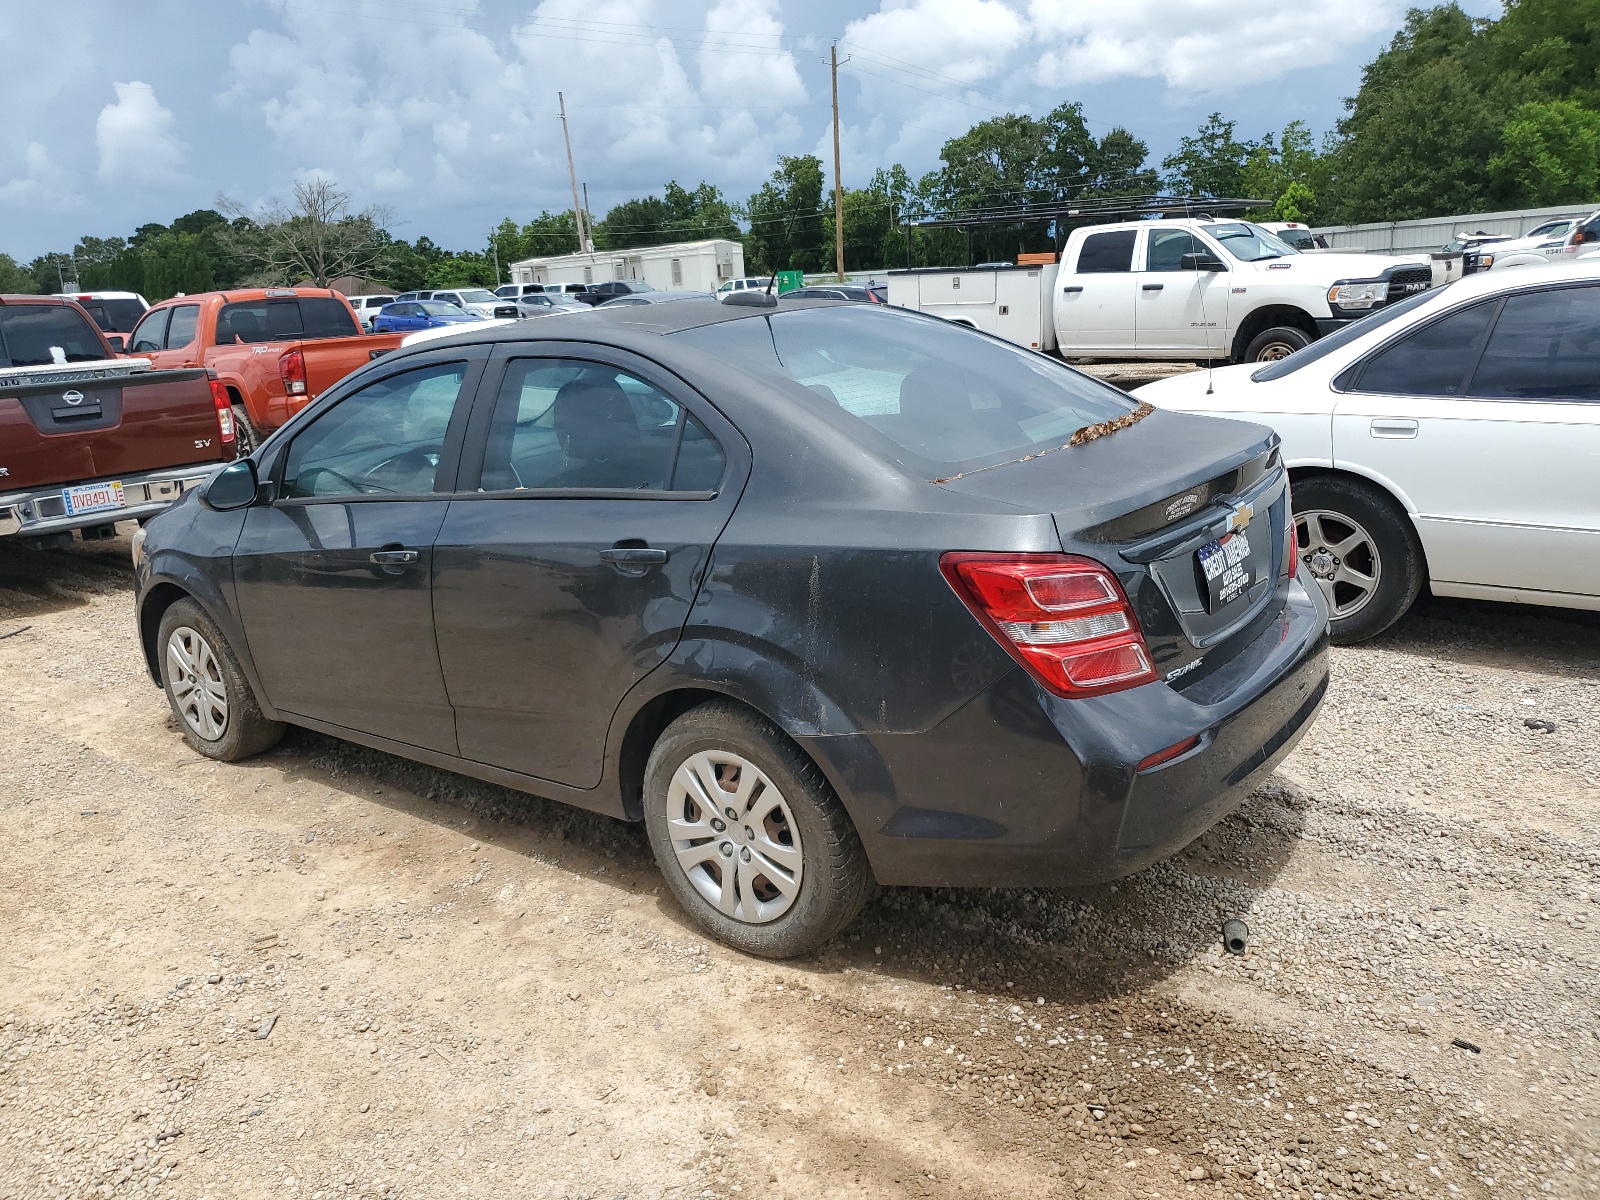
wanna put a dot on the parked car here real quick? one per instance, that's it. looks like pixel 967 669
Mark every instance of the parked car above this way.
pixel 478 300
pixel 88 439
pixel 421 314
pixel 997 625
pixel 512 291
pixel 574 292
pixel 654 297
pixel 537 304
pixel 1449 441
pixel 407 297
pixel 114 312
pixel 274 350
pixel 366 308
pixel 1296 234
pixel 864 293
pixel 1580 235
pixel 601 292
pixel 751 283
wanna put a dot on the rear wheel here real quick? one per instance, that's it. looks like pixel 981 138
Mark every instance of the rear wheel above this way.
pixel 1278 342
pixel 1361 550
pixel 245 433
pixel 748 835
pixel 207 689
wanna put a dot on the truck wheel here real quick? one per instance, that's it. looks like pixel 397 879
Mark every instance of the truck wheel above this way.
pixel 245 435
pixel 207 689
pixel 1361 549
pixel 748 835
pixel 1278 342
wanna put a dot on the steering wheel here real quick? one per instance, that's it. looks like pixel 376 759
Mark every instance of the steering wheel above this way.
pixel 306 486
pixel 414 460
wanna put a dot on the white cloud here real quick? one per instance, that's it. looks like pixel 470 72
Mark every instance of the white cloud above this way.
pixel 1205 46
pixel 42 182
pixel 767 73
pixel 137 138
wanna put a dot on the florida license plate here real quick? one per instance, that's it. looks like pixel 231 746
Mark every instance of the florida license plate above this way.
pixel 93 497
pixel 1225 564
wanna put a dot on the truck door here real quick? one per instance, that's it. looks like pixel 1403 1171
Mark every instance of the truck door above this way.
pixel 1094 305
pixel 1178 310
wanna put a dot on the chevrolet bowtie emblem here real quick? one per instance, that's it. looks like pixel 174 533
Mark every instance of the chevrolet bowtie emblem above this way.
pixel 1240 517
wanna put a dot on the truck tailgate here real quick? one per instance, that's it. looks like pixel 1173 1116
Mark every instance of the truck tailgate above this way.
pixel 329 360
pixel 93 430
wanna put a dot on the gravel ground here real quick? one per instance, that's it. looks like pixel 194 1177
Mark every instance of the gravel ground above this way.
pixel 332 973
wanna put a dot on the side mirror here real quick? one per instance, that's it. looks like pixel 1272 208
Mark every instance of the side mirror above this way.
pixel 235 486
pixel 1201 262
pixel 119 342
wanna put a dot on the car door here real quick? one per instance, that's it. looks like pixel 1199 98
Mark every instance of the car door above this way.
pixel 1094 305
pixel 568 576
pixel 149 336
pixel 1485 419
pixel 334 576
pixel 1177 309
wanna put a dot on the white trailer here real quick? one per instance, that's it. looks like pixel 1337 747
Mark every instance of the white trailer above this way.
pixel 682 266
pixel 1013 302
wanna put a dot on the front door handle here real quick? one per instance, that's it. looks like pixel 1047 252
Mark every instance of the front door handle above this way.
pixel 633 556
pixel 1394 427
pixel 1073 287
pixel 392 558
pixel 1152 287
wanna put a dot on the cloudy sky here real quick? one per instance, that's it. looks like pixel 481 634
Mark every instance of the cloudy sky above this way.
pixel 445 110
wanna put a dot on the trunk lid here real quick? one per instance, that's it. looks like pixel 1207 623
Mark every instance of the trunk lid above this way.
pixel 68 430
pixel 1145 500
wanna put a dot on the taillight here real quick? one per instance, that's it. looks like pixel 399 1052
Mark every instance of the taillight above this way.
pixel 292 368
pixel 1291 540
pixel 224 407
pixel 1063 618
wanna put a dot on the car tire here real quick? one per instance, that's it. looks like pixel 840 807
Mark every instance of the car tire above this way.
pixel 805 840
pixel 207 689
pixel 246 436
pixel 1278 342
pixel 1347 532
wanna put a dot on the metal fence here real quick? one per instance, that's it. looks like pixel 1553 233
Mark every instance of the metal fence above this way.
pixel 1414 237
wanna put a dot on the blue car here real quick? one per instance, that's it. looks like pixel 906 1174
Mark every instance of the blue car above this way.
pixel 410 315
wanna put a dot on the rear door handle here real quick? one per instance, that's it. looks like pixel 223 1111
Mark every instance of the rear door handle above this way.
pixel 392 558
pixel 1073 287
pixel 635 556
pixel 1394 427
pixel 1152 287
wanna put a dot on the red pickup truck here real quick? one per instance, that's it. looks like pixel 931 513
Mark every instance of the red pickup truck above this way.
pixel 274 350
pixel 88 439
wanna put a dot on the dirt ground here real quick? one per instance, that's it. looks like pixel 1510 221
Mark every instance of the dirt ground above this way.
pixel 328 972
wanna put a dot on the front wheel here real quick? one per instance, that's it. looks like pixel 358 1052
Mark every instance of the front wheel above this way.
pixel 748 835
pixel 207 688
pixel 1360 548
pixel 1279 342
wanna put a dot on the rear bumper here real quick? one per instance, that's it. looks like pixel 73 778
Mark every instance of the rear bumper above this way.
pixel 38 512
pixel 1019 788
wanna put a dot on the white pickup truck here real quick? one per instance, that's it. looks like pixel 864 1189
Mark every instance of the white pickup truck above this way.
pixel 1186 288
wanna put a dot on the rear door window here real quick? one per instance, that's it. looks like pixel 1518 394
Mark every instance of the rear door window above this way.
pixel 575 424
pixel 1104 252
pixel 1545 346
pixel 324 316
pixel 37 335
pixel 1433 361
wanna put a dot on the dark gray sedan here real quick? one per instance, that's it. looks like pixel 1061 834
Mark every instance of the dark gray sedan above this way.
pixel 822 593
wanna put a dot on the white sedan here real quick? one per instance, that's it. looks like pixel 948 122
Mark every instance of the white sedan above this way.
pixel 1451 439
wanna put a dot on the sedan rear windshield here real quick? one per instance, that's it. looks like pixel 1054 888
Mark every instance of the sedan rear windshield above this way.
pixel 943 393
pixel 284 320
pixel 37 335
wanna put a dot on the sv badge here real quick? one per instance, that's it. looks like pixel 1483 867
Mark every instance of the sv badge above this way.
pixel 202 443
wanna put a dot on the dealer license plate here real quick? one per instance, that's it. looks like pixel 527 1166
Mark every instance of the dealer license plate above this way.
pixel 1225 563
pixel 93 497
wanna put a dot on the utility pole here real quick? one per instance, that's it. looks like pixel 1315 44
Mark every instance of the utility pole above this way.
pixel 838 187
pixel 588 218
pixel 577 212
pixel 495 247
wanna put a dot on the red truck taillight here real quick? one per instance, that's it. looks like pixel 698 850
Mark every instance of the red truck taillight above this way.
pixel 224 406
pixel 292 368
pixel 1062 617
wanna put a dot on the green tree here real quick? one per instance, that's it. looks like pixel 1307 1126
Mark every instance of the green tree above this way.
pixel 1550 154
pixel 545 236
pixel 786 218
pixel 1211 163
pixel 174 263
pixel 678 215
pixel 52 272
pixel 1286 171
pixel 13 279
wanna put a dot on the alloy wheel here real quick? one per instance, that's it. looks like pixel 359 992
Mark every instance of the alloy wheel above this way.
pixel 734 836
pixel 195 677
pixel 1341 556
